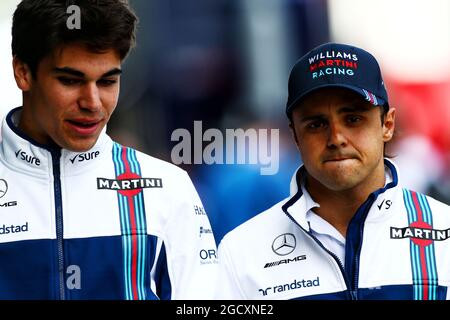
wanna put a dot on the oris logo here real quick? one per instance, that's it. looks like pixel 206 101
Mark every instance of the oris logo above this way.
pixel 3 187
pixel 208 256
pixel 85 156
pixel 284 244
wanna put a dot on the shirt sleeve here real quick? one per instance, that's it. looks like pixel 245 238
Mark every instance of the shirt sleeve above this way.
pixel 227 283
pixel 190 247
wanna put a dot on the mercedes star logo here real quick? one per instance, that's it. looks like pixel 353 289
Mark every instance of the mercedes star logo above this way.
pixel 284 244
pixel 3 187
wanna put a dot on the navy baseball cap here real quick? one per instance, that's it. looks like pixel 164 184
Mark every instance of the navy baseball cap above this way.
pixel 337 65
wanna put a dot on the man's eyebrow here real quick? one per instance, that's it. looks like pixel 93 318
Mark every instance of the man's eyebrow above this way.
pixel 312 117
pixel 113 72
pixel 68 70
pixel 349 108
pixel 354 107
pixel 77 73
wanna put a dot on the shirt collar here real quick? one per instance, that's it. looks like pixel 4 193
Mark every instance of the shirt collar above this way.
pixel 301 202
pixel 309 202
pixel 23 154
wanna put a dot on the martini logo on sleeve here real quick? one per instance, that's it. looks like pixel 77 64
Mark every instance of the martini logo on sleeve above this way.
pixel 420 233
pixel 128 184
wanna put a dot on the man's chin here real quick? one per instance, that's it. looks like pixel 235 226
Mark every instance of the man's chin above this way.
pixel 340 183
pixel 80 146
pixel 340 187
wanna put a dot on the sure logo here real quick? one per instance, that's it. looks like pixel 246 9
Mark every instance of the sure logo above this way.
pixel 81 157
pixel 22 155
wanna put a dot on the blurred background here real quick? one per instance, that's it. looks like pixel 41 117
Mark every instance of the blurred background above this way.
pixel 226 63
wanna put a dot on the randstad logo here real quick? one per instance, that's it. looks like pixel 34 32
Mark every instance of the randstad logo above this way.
pixel 13 229
pixel 296 284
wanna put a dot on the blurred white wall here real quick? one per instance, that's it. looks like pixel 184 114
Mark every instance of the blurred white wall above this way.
pixel 411 41
pixel 268 55
pixel 11 96
pixel 411 38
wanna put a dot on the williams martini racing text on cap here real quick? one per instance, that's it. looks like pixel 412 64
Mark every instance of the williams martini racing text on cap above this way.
pixel 337 65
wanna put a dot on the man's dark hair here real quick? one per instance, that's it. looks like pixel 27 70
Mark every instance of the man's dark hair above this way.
pixel 40 26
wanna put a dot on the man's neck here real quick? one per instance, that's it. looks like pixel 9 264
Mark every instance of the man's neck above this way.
pixel 339 207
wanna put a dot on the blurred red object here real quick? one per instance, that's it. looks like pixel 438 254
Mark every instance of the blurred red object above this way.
pixel 423 108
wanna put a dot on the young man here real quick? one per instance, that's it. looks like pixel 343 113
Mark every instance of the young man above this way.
pixel 82 217
pixel 348 230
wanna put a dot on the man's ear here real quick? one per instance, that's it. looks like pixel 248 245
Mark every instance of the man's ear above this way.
pixel 22 74
pixel 389 125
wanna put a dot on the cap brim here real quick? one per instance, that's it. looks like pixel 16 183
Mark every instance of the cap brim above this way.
pixel 375 100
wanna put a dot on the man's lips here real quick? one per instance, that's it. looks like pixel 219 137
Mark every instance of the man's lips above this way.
pixel 84 126
pixel 338 159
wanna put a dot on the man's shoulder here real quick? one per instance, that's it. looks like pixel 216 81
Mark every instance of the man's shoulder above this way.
pixel 441 206
pixel 426 201
pixel 148 162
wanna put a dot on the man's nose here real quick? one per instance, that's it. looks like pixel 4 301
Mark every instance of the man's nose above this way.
pixel 336 136
pixel 90 97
